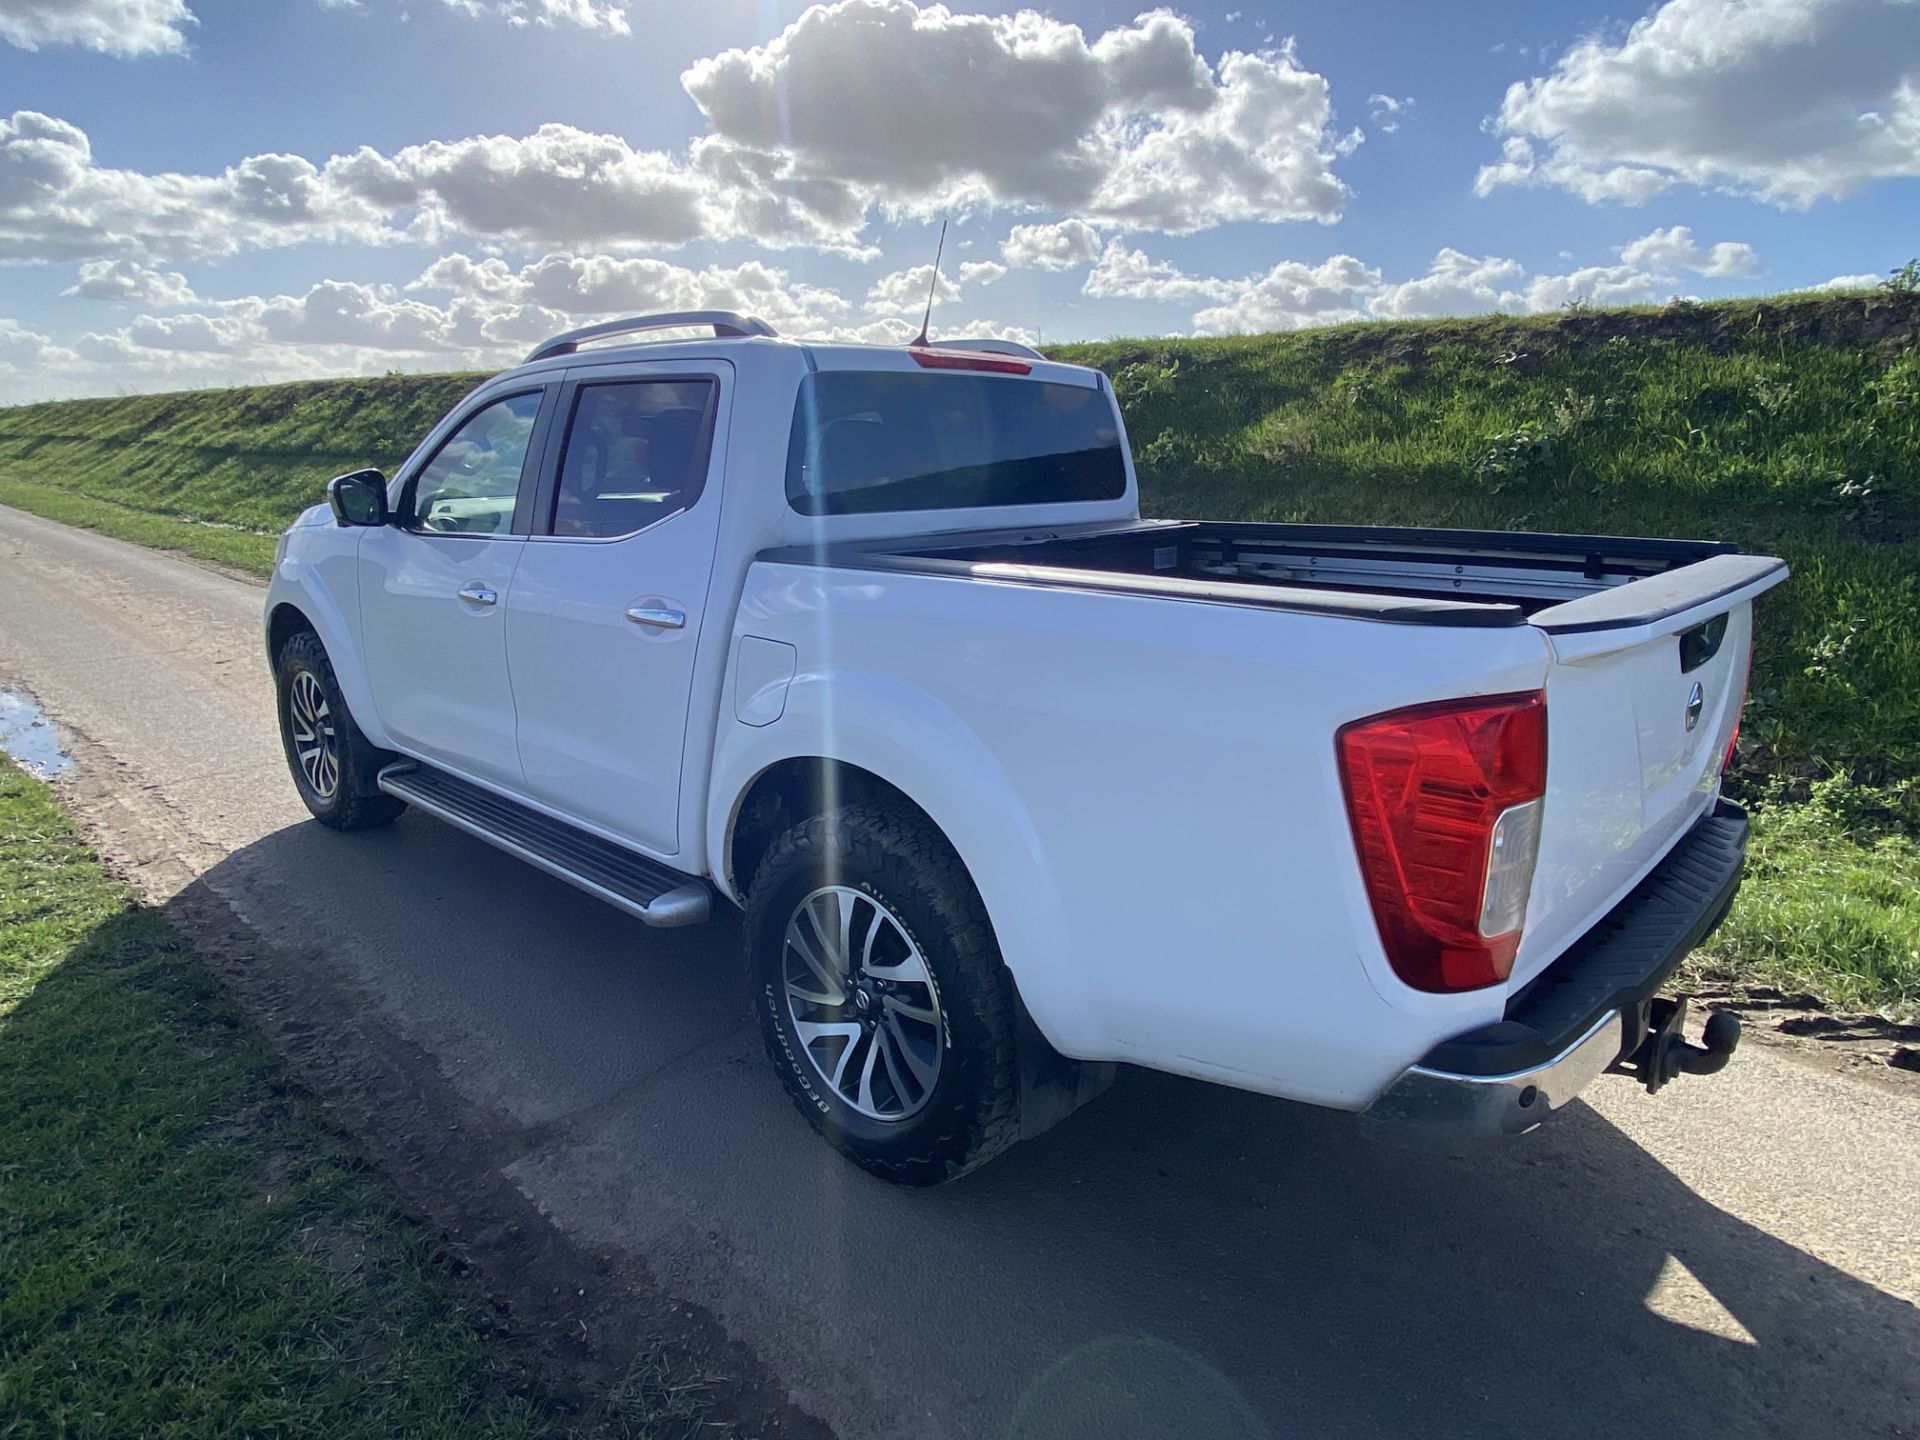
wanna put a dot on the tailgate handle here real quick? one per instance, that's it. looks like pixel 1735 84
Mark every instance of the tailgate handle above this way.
pixel 1702 643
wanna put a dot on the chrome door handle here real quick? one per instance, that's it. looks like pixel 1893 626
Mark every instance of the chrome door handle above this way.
pixel 477 593
pixel 659 619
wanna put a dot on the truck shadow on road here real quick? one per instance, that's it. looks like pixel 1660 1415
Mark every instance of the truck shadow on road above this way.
pixel 1175 1260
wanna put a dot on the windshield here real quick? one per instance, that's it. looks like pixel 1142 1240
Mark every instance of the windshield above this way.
pixel 868 441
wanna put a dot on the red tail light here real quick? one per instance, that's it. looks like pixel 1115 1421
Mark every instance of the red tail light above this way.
pixel 1445 805
pixel 968 360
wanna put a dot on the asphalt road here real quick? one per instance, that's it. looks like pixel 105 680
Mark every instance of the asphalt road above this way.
pixel 1735 1256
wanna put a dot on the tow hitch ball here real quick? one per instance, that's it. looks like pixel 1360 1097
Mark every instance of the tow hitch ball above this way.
pixel 1666 1054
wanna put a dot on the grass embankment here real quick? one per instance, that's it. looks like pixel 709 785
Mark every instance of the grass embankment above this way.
pixel 185 1247
pixel 1789 425
pixel 217 474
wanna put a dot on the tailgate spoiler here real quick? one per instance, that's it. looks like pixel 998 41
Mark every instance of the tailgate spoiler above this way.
pixel 1627 615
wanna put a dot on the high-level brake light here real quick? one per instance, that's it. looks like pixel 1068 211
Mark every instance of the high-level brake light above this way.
pixel 936 359
pixel 1445 803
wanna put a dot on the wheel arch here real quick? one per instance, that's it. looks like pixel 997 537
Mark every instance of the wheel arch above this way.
pixel 284 621
pixel 304 611
pixel 871 737
pixel 795 789
pixel 787 791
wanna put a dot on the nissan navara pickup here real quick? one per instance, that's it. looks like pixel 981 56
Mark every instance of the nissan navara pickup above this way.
pixel 1012 785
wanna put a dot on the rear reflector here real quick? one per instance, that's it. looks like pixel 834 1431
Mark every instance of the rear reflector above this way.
pixel 968 360
pixel 1445 804
pixel 1746 688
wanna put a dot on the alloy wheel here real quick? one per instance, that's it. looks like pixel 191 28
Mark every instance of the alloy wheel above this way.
pixel 863 1003
pixel 314 743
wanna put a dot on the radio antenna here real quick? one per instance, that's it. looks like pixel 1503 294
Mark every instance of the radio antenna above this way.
pixel 932 285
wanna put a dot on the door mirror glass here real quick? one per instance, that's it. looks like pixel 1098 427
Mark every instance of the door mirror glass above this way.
pixel 359 498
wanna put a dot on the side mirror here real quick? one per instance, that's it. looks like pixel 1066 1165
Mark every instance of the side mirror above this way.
pixel 359 498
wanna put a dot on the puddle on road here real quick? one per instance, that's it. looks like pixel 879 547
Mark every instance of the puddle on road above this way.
pixel 29 737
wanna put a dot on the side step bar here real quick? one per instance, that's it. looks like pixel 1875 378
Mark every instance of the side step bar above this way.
pixel 656 893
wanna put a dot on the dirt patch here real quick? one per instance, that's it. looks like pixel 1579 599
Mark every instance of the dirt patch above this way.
pixel 1883 1053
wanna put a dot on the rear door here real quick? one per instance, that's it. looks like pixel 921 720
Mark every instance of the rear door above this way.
pixel 433 586
pixel 603 620
pixel 1643 698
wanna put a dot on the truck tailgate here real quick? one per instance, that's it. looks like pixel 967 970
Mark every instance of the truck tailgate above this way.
pixel 1643 698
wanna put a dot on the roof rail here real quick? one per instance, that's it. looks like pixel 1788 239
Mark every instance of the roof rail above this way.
pixel 724 322
pixel 989 347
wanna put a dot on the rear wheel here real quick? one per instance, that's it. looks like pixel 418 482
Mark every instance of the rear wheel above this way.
pixel 881 994
pixel 334 766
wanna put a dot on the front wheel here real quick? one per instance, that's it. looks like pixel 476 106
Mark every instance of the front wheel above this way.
pixel 333 764
pixel 881 994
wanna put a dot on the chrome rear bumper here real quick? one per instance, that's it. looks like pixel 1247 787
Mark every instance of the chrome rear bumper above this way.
pixel 1440 1110
pixel 1593 1009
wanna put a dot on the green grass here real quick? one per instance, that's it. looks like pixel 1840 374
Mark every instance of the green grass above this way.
pixel 248 550
pixel 185 1248
pixel 1789 424
pixel 1831 906
pixel 215 474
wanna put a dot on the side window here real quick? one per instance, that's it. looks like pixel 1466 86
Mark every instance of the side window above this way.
pixel 636 452
pixel 469 486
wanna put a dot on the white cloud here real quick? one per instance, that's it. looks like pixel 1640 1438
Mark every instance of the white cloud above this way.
pixel 56 203
pixel 1590 285
pixel 608 15
pixel 1386 112
pixel 206 334
pixel 462 312
pixel 20 346
pixel 112 27
pixel 588 285
pixel 1131 275
pixel 1455 284
pixel 1293 295
pixel 1849 282
pixel 926 110
pixel 981 272
pixel 129 280
pixel 1057 246
pixel 559 185
pixel 905 290
pixel 809 134
pixel 1791 101
pixel 1673 249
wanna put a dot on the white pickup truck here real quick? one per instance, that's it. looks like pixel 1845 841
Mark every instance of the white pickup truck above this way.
pixel 1012 785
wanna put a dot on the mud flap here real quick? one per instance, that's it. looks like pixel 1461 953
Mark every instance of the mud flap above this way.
pixel 1052 1086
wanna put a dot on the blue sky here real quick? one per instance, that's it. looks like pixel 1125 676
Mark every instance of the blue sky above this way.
pixel 219 191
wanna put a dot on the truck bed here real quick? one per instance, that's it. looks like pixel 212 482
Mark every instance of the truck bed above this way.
pixel 1407 576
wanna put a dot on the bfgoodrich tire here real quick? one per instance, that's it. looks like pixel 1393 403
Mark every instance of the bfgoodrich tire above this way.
pixel 333 764
pixel 881 994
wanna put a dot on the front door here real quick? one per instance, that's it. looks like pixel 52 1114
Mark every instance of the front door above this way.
pixel 433 592
pixel 603 620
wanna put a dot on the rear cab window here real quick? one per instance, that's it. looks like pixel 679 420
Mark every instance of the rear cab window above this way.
pixel 635 453
pixel 868 442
